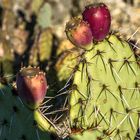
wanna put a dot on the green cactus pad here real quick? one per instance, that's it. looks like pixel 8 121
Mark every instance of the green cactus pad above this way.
pixel 85 135
pixel 65 64
pixel 64 45
pixel 42 48
pixel 44 17
pixel 106 91
pixel 17 122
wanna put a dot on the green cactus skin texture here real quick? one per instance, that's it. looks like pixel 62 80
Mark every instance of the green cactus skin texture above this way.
pixel 106 93
pixel 66 63
pixel 85 135
pixel 64 45
pixel 18 122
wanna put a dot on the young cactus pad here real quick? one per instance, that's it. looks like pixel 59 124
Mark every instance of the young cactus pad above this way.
pixel 106 93
pixel 66 62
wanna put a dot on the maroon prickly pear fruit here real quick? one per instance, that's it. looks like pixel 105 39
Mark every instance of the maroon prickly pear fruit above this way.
pixel 99 19
pixel 31 86
pixel 79 32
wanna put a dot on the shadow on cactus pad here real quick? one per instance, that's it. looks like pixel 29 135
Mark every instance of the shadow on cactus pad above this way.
pixel 16 121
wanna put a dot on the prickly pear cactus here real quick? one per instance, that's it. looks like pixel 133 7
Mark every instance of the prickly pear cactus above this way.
pixel 21 107
pixel 6 60
pixel 63 46
pixel 42 48
pixel 44 16
pixel 100 100
pixel 16 121
pixel 105 94
pixel 66 63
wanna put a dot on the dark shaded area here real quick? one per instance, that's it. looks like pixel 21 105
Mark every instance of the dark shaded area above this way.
pixel 137 135
pixel 22 60
pixel 1 15
pixel 135 48
pixel 16 110
pixel 29 27
pixel 131 2
pixel 75 8
pixel 3 80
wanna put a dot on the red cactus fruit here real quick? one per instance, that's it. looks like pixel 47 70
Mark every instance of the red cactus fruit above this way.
pixel 78 32
pixel 32 86
pixel 99 19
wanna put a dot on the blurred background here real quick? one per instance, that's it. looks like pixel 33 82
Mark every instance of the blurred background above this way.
pixel 32 32
pixel 55 13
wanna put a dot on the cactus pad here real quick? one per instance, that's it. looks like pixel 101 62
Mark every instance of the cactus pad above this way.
pixel 16 121
pixel 105 92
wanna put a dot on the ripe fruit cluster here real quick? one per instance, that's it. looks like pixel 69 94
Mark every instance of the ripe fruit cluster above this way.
pixel 94 25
